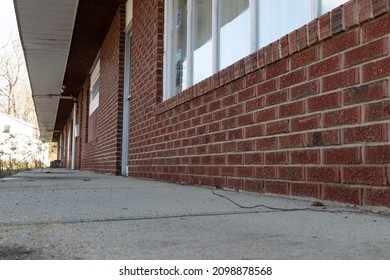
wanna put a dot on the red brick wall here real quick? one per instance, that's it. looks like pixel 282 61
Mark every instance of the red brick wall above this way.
pixel 306 116
pixel 103 152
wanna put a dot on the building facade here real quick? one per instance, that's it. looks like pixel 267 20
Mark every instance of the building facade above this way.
pixel 288 98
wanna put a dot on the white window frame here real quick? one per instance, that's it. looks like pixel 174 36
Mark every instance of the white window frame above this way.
pixel 95 75
pixel 169 68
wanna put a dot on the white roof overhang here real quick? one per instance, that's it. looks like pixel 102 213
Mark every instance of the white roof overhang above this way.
pixel 46 28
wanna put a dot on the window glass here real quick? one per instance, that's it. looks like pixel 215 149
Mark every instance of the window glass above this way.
pixel 327 5
pixel 95 88
pixel 279 17
pixel 180 45
pixel 234 31
pixel 203 42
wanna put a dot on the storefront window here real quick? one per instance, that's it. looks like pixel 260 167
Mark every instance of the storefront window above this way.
pixel 205 36
pixel 280 17
pixel 234 28
pixel 203 40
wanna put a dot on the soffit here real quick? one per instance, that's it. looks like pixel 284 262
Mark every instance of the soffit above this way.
pixel 61 40
pixel 45 28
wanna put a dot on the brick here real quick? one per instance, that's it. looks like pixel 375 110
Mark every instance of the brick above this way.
pixel 284 48
pixel 265 115
pixel 252 185
pixel 291 173
pixel 248 64
pixel 276 188
pixel 255 78
pixel 305 157
pixel 292 78
pixel 302 37
pixel 337 20
pixel 234 183
pixel 379 7
pixel 244 171
pixel 376 28
pixel 293 45
pixel 342 117
pixel 340 43
pixel 235 159
pixel 377 154
pixel 323 174
pixel 238 85
pixel 366 134
pixel 275 50
pixel 291 109
pixel 245 120
pixel 325 67
pixel 216 105
pixel 304 58
pixel 377 111
pixel 226 124
pixel 292 141
pixel 350 14
pixel 364 10
pixel 254 158
pixel 265 172
pixel 343 156
pixel 266 144
pixel 367 52
pixel 219 160
pixel 377 197
pixel 277 69
pixel 255 104
pixel 229 101
pixel 254 131
pixel 276 158
pixel 365 93
pixel 229 147
pixel 245 146
pixel 324 102
pixel 343 194
pixel 277 127
pixel 260 58
pixel 376 70
pixel 276 98
pixel 304 90
pixel 266 87
pixel 312 32
pixel 373 176
pixel 246 94
pixel 235 134
pixel 267 54
pixel 306 123
pixel 324 23
pixel 341 80
pixel 219 182
pixel 306 190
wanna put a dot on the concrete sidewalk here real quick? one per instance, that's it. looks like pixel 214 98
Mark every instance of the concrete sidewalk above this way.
pixel 64 214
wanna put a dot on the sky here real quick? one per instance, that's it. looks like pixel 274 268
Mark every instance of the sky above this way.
pixel 8 25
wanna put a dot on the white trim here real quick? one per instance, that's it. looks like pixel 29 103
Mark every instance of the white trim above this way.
pixel 254 25
pixel 190 43
pixel 168 48
pixel 315 8
pixel 215 35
